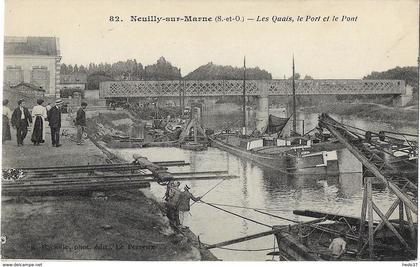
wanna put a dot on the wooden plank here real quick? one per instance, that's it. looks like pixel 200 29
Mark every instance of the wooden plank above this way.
pixel 97 165
pixel 401 216
pixel 71 167
pixel 45 180
pixel 276 229
pixel 387 215
pixel 389 225
pixel 156 170
pixel 370 216
pixel 128 167
pixel 63 178
pixel 71 189
pixel 362 218
pixel 382 223
pixel 101 180
pixel 411 227
pixel 327 216
pixel 242 239
pixel 70 184
pixel 135 175
pixel 84 169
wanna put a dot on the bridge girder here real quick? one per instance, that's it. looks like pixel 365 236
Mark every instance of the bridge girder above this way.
pixel 210 88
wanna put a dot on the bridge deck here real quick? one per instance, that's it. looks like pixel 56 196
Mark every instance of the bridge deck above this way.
pixel 253 88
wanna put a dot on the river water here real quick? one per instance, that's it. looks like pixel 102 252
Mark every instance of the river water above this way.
pixel 258 187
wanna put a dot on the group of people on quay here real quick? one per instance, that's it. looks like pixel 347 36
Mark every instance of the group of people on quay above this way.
pixel 178 203
pixel 21 119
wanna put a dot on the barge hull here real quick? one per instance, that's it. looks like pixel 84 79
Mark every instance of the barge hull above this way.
pixel 286 164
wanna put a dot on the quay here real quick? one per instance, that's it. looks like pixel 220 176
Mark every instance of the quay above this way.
pixel 116 224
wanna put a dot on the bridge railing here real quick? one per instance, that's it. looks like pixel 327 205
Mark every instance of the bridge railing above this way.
pixel 113 89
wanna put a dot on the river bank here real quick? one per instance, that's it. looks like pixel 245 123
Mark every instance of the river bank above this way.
pixel 225 116
pixel 408 116
pixel 120 225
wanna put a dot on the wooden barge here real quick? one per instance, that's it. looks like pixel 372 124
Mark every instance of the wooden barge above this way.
pixel 316 159
pixel 310 242
pixel 366 238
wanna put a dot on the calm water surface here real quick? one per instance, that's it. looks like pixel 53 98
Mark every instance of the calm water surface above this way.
pixel 259 187
pixel 256 187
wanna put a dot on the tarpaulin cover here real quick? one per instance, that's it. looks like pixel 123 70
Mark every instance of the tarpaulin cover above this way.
pixel 276 124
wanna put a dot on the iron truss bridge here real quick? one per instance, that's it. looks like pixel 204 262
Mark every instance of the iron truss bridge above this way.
pixel 253 88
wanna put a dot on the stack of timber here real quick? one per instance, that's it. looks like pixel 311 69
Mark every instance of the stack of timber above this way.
pixel 90 178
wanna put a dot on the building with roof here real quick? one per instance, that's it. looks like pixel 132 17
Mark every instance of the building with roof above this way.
pixel 75 81
pixel 26 91
pixel 32 60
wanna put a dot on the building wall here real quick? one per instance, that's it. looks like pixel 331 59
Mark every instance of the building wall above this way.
pixel 30 97
pixel 80 86
pixel 27 63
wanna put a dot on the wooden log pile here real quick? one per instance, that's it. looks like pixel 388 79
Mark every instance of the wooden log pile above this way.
pixel 90 178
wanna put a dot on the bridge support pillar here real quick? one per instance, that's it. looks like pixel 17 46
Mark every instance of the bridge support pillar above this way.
pixel 403 99
pixel 261 116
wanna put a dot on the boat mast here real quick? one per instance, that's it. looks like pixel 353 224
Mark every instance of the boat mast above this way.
pixel 244 103
pixel 294 97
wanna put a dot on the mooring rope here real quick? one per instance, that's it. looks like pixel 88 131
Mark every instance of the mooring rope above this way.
pixel 243 217
pixel 249 208
pixel 250 250
pixel 276 216
pixel 210 190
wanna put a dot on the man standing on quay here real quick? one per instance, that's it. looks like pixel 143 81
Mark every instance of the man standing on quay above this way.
pixel 20 120
pixel 54 119
pixel 81 122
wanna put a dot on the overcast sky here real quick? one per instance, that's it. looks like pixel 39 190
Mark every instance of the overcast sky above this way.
pixel 384 36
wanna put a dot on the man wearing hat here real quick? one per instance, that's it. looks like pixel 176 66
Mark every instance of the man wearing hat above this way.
pixel 54 119
pixel 20 120
pixel 338 246
pixel 184 203
pixel 80 122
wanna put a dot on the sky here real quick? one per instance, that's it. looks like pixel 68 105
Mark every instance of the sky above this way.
pixel 384 35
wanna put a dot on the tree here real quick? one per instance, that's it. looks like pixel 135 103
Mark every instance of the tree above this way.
pixel 408 74
pixel 211 71
pixel 82 69
pixel 307 77
pixel 94 79
pixel 297 76
pixel 162 70
pixel 70 69
pixel 63 69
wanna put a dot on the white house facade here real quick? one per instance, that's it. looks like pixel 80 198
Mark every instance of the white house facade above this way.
pixel 34 60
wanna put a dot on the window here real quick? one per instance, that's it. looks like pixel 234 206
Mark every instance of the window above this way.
pixel 13 67
pixel 39 68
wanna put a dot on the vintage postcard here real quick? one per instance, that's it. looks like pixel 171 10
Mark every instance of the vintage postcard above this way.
pixel 209 131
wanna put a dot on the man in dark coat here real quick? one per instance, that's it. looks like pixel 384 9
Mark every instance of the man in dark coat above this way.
pixel 54 119
pixel 183 205
pixel 80 122
pixel 20 120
